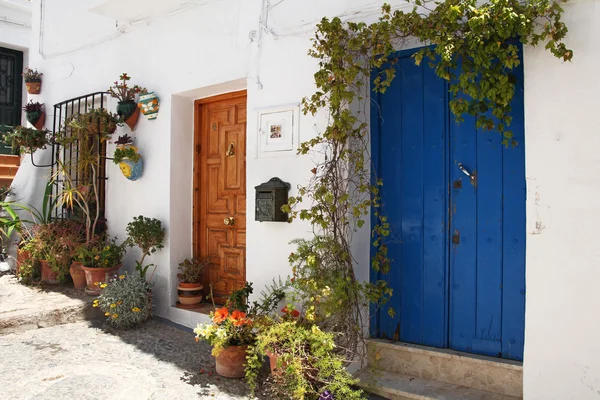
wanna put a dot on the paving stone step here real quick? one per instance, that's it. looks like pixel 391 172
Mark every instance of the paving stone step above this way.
pixel 394 386
pixel 448 366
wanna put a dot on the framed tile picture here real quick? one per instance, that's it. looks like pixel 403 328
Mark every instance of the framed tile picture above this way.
pixel 278 130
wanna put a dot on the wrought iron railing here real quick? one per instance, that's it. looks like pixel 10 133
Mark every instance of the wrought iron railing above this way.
pixel 68 154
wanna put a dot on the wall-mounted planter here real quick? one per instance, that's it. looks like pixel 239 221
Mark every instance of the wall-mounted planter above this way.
pixel 33 86
pixel 37 119
pixel 149 105
pixel 130 112
pixel 131 167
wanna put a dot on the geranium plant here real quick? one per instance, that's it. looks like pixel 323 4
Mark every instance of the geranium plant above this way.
pixel 124 92
pixel 229 328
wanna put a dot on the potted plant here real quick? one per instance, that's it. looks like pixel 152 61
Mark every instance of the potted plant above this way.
pixel 190 288
pixel 147 234
pixel 124 300
pixel 34 112
pixel 33 80
pixel 230 333
pixel 128 159
pixel 127 107
pixel 99 259
pixel 28 140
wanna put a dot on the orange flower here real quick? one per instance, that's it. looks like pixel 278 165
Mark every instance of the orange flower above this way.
pixel 238 318
pixel 293 313
pixel 220 315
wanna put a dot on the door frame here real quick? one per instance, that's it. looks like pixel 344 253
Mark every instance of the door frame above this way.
pixel 197 179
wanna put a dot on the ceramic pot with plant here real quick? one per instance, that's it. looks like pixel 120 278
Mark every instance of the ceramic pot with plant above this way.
pixel 100 259
pixel 127 106
pixel 190 289
pixel 34 112
pixel 33 81
pixel 128 159
pixel 28 140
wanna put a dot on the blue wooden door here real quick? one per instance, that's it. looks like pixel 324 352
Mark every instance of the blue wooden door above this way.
pixel 455 199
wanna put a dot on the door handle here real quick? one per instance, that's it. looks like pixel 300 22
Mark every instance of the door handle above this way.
pixel 230 152
pixel 472 177
pixel 229 221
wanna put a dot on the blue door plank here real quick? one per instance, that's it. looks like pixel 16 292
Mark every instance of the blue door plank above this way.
pixel 514 232
pixel 390 160
pixel 488 326
pixel 412 201
pixel 434 210
pixel 463 256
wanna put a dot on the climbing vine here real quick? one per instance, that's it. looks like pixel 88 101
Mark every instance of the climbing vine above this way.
pixel 342 193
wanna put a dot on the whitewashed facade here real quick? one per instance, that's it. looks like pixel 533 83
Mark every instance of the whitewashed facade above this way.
pixel 186 50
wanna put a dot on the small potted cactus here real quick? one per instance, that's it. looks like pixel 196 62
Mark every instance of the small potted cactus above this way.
pixel 34 112
pixel 33 80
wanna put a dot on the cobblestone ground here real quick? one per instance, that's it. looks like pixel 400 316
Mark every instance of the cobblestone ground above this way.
pixel 83 361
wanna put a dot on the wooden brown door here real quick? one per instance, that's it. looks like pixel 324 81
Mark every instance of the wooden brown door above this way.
pixel 220 192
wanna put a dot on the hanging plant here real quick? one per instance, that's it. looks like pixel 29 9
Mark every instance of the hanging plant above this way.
pixel 34 112
pixel 128 159
pixel 342 192
pixel 28 140
pixel 127 107
pixel 33 80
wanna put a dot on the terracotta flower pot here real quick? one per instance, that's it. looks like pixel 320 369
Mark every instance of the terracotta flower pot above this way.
pixel 133 119
pixel 190 293
pixel 48 275
pixel 97 275
pixel 39 124
pixel 77 275
pixel 33 87
pixel 230 362
pixel 23 256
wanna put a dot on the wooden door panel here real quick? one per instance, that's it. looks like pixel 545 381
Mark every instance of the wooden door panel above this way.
pixel 220 193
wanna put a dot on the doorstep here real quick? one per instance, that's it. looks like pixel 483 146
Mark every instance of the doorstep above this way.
pixel 190 318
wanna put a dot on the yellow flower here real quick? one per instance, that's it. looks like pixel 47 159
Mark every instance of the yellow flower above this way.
pixel 135 309
pixel 96 303
pixel 103 286
pixel 97 258
pixel 120 302
pixel 121 276
pixel 107 313
pixel 113 305
pixel 107 248
pixel 96 283
pixel 115 315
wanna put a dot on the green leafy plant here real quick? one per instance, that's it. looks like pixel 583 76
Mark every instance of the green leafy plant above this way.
pixel 191 269
pixel 125 301
pixel 148 235
pixel 96 121
pixel 27 139
pixel 125 152
pixel 31 75
pixel 103 252
pixel 124 92
pixel 307 362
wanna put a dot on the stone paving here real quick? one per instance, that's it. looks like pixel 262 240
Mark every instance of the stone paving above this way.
pixel 54 345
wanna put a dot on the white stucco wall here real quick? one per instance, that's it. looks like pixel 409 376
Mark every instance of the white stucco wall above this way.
pixel 209 49
pixel 561 140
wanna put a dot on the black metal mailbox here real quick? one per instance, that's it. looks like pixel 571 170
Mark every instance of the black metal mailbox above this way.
pixel 270 196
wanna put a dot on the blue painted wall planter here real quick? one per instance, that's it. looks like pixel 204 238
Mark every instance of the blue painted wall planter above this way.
pixel 131 169
pixel 149 105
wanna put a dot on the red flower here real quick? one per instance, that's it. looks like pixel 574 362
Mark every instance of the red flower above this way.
pixel 293 313
pixel 220 315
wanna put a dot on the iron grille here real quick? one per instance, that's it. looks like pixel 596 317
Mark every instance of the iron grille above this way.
pixel 70 152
